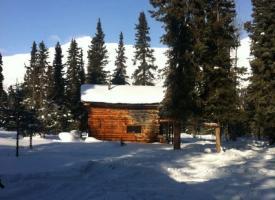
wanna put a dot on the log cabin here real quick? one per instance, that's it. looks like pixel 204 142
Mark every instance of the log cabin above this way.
pixel 123 112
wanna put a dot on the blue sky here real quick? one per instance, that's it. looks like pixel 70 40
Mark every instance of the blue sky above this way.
pixel 23 21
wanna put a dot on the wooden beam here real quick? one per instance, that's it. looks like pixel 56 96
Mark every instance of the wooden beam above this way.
pixel 218 139
pixel 211 125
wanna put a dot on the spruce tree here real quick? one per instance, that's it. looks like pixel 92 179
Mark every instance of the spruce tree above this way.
pixel 219 93
pixel 19 116
pixel 31 80
pixel 1 75
pixel 73 84
pixel 56 109
pixel 58 74
pixel 261 91
pixel 120 77
pixel 81 67
pixel 143 58
pixel 97 58
pixel 3 98
pixel 31 92
pixel 181 72
pixel 45 74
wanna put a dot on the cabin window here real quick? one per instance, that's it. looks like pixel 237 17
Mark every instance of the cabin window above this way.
pixel 133 129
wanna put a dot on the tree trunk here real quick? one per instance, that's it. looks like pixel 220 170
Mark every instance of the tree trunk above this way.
pixel 30 140
pixel 177 141
pixel 17 143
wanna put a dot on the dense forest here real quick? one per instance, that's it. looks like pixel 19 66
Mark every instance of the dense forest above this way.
pixel 202 78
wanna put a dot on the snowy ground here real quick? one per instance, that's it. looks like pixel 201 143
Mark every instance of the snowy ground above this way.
pixel 56 170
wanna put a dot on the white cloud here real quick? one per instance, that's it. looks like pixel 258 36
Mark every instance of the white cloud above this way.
pixel 55 38
pixel 2 51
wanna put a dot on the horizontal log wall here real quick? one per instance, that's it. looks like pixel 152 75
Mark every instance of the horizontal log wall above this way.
pixel 111 123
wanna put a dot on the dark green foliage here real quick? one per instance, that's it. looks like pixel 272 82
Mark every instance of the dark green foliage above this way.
pixel 38 87
pixel 45 92
pixel 75 77
pixel 81 67
pixel 219 88
pixel 97 58
pixel 20 118
pixel 1 75
pixel 201 78
pixel 31 93
pixel 181 72
pixel 58 75
pixel 3 98
pixel 31 80
pixel 59 113
pixel 261 91
pixel 144 58
pixel 50 78
pixel 120 76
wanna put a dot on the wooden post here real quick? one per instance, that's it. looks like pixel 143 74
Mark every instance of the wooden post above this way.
pixel 218 138
pixel 176 129
pixel 217 133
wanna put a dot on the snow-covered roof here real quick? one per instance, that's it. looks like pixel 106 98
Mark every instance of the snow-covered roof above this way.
pixel 123 94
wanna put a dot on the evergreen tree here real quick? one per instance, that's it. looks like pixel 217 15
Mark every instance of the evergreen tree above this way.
pixel 74 80
pixel 83 115
pixel 45 74
pixel 31 93
pixel 31 80
pixel 181 70
pixel 97 58
pixel 58 74
pixel 20 118
pixel 81 67
pixel 50 92
pixel 120 77
pixel 3 98
pixel 56 109
pixel 1 76
pixel 219 94
pixel 144 74
pixel 261 91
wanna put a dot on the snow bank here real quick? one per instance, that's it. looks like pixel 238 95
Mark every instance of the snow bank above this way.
pixel 245 170
pixel 92 140
pixel 67 137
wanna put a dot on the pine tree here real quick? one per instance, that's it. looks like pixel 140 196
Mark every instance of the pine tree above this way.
pixel 97 58
pixel 261 91
pixel 82 115
pixel 144 58
pixel 57 110
pixel 81 67
pixel 1 76
pixel 181 70
pixel 74 80
pixel 3 98
pixel 45 74
pixel 50 89
pixel 31 93
pixel 218 93
pixel 19 116
pixel 120 77
pixel 58 74
pixel 31 80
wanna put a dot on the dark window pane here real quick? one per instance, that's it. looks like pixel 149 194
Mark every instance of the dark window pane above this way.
pixel 133 129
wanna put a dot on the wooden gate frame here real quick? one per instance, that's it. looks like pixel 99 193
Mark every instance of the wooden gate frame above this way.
pixel 217 128
pixel 176 132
